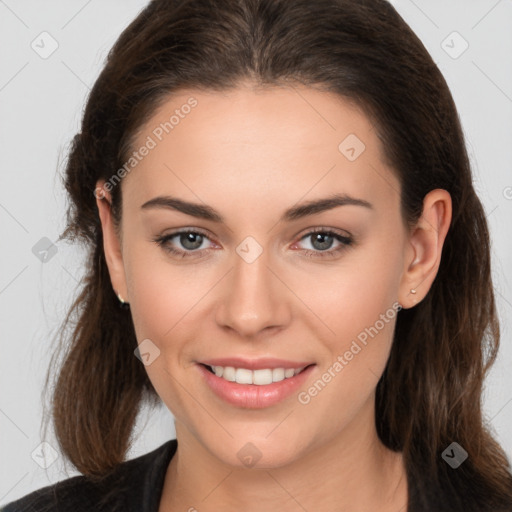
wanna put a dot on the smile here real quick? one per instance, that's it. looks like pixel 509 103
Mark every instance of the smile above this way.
pixel 253 389
pixel 261 377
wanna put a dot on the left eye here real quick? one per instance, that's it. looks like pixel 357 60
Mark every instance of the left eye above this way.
pixel 322 240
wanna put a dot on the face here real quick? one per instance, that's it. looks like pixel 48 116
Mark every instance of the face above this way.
pixel 255 275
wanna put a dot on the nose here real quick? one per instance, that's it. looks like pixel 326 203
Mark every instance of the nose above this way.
pixel 254 299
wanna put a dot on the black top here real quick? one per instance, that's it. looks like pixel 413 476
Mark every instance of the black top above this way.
pixel 137 486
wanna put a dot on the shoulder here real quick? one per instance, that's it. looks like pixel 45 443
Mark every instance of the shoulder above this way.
pixel 136 484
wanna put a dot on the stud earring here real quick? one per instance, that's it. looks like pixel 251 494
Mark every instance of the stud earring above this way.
pixel 122 303
pixel 413 291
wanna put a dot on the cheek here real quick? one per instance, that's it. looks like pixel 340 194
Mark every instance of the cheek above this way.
pixel 161 293
pixel 350 298
pixel 162 300
pixel 358 306
pixel 355 359
pixel 169 307
pixel 151 298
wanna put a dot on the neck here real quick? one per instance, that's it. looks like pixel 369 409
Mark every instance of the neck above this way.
pixel 353 472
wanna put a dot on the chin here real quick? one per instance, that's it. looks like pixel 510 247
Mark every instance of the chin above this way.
pixel 256 452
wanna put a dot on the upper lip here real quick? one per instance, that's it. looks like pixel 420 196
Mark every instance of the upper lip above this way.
pixel 255 364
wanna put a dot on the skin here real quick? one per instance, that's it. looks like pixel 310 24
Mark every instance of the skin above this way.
pixel 251 153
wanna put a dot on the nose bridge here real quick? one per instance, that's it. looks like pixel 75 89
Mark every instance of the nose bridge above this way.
pixel 254 298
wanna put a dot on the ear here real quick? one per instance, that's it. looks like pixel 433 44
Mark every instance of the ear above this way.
pixel 425 244
pixel 111 241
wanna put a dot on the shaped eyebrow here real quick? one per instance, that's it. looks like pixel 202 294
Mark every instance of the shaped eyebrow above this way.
pixel 299 211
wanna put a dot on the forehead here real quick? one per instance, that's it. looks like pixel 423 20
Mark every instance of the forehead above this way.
pixel 269 144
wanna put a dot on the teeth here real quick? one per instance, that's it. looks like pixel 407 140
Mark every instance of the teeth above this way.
pixel 278 374
pixel 243 376
pixel 258 377
pixel 228 373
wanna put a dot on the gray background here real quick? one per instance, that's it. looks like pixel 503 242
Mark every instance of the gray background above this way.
pixel 41 99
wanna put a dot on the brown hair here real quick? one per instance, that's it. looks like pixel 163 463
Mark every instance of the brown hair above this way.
pixel 430 393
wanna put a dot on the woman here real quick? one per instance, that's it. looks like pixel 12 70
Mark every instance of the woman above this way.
pixel 282 227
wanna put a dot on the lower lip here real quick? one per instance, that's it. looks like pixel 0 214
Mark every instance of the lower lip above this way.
pixel 252 396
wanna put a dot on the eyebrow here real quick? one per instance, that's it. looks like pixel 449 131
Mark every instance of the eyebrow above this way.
pixel 296 212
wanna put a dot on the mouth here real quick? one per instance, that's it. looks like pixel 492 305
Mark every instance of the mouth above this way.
pixel 254 388
pixel 260 377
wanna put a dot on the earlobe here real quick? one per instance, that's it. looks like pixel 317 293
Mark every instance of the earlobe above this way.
pixel 425 246
pixel 111 242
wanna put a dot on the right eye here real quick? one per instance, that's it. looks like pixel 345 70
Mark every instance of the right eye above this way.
pixel 190 240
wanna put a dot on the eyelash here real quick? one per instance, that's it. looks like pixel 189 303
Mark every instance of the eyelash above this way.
pixel 345 242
